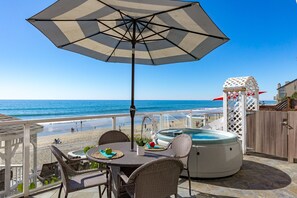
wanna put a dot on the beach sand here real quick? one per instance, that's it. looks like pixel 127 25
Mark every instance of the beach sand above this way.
pixel 75 141
pixel 70 142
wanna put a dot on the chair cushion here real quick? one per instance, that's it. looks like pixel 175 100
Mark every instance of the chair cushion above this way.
pixel 86 180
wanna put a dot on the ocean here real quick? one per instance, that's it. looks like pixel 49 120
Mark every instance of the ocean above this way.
pixel 42 109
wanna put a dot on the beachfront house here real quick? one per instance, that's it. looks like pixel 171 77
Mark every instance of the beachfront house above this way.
pixel 286 90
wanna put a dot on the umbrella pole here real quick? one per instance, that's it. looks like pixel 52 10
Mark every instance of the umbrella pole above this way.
pixel 132 107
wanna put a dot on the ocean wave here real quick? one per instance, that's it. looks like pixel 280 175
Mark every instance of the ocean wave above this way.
pixel 76 113
pixel 54 108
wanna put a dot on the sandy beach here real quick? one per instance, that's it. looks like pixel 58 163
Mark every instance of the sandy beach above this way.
pixel 70 142
pixel 74 141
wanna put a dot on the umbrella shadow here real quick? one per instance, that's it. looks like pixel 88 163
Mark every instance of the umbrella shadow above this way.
pixel 253 176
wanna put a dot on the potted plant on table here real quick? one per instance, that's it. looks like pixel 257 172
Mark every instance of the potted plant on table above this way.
pixel 140 146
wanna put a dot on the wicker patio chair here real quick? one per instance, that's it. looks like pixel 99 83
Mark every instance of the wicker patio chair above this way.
pixel 72 162
pixel 181 146
pixel 112 137
pixel 48 171
pixel 156 179
pixel 77 180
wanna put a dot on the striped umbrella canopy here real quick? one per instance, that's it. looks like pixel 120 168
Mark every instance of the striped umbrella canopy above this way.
pixel 151 32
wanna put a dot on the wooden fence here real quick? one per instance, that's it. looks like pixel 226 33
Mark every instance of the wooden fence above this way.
pixel 273 133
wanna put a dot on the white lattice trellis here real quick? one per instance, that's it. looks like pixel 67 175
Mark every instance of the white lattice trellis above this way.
pixel 241 94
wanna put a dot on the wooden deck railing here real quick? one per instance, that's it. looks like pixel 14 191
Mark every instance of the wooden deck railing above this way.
pixel 288 104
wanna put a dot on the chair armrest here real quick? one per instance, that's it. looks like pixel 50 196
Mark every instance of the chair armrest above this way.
pixel 169 146
pixel 92 170
pixel 179 157
pixel 85 158
pixel 123 177
pixel 77 159
pixel 40 178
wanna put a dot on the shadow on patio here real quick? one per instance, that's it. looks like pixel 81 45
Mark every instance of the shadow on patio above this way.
pixel 252 176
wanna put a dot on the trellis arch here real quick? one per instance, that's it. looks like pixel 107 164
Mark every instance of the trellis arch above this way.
pixel 241 94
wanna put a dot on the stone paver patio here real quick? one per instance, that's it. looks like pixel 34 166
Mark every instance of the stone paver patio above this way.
pixel 259 177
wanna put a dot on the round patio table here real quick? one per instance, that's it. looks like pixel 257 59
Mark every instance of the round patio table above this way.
pixel 129 160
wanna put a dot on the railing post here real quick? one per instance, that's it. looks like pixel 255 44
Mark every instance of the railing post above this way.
pixel 204 120
pixel 161 121
pixel 7 166
pixel 35 159
pixel 225 110
pixel 256 100
pixel 190 119
pixel 114 123
pixel 26 160
pixel 243 121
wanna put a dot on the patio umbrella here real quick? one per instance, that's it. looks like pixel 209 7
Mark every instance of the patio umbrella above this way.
pixel 150 32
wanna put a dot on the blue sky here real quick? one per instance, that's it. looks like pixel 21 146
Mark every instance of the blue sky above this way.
pixel 263 44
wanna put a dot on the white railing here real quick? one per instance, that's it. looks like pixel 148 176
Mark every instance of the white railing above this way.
pixel 17 173
pixel 23 170
pixel 16 178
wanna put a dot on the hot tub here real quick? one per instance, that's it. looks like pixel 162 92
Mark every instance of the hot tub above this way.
pixel 214 153
pixel 76 154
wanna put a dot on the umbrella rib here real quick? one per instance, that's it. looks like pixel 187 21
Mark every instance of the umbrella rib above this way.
pixel 33 20
pixel 166 11
pixel 149 40
pixel 103 32
pixel 61 46
pixel 190 31
pixel 97 20
pixel 154 34
pixel 140 32
pixel 118 44
pixel 126 26
pixel 117 37
pixel 174 44
pixel 148 51
pixel 113 29
pixel 114 19
pixel 114 8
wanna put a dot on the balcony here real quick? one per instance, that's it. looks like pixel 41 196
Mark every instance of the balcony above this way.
pixel 28 151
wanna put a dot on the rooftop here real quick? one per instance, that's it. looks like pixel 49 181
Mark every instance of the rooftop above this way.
pixel 287 84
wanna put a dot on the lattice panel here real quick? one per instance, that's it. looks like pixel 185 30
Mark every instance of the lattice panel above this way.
pixel 251 103
pixel 247 82
pixel 242 95
pixel 236 89
pixel 234 118
pixel 252 90
pixel 236 82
